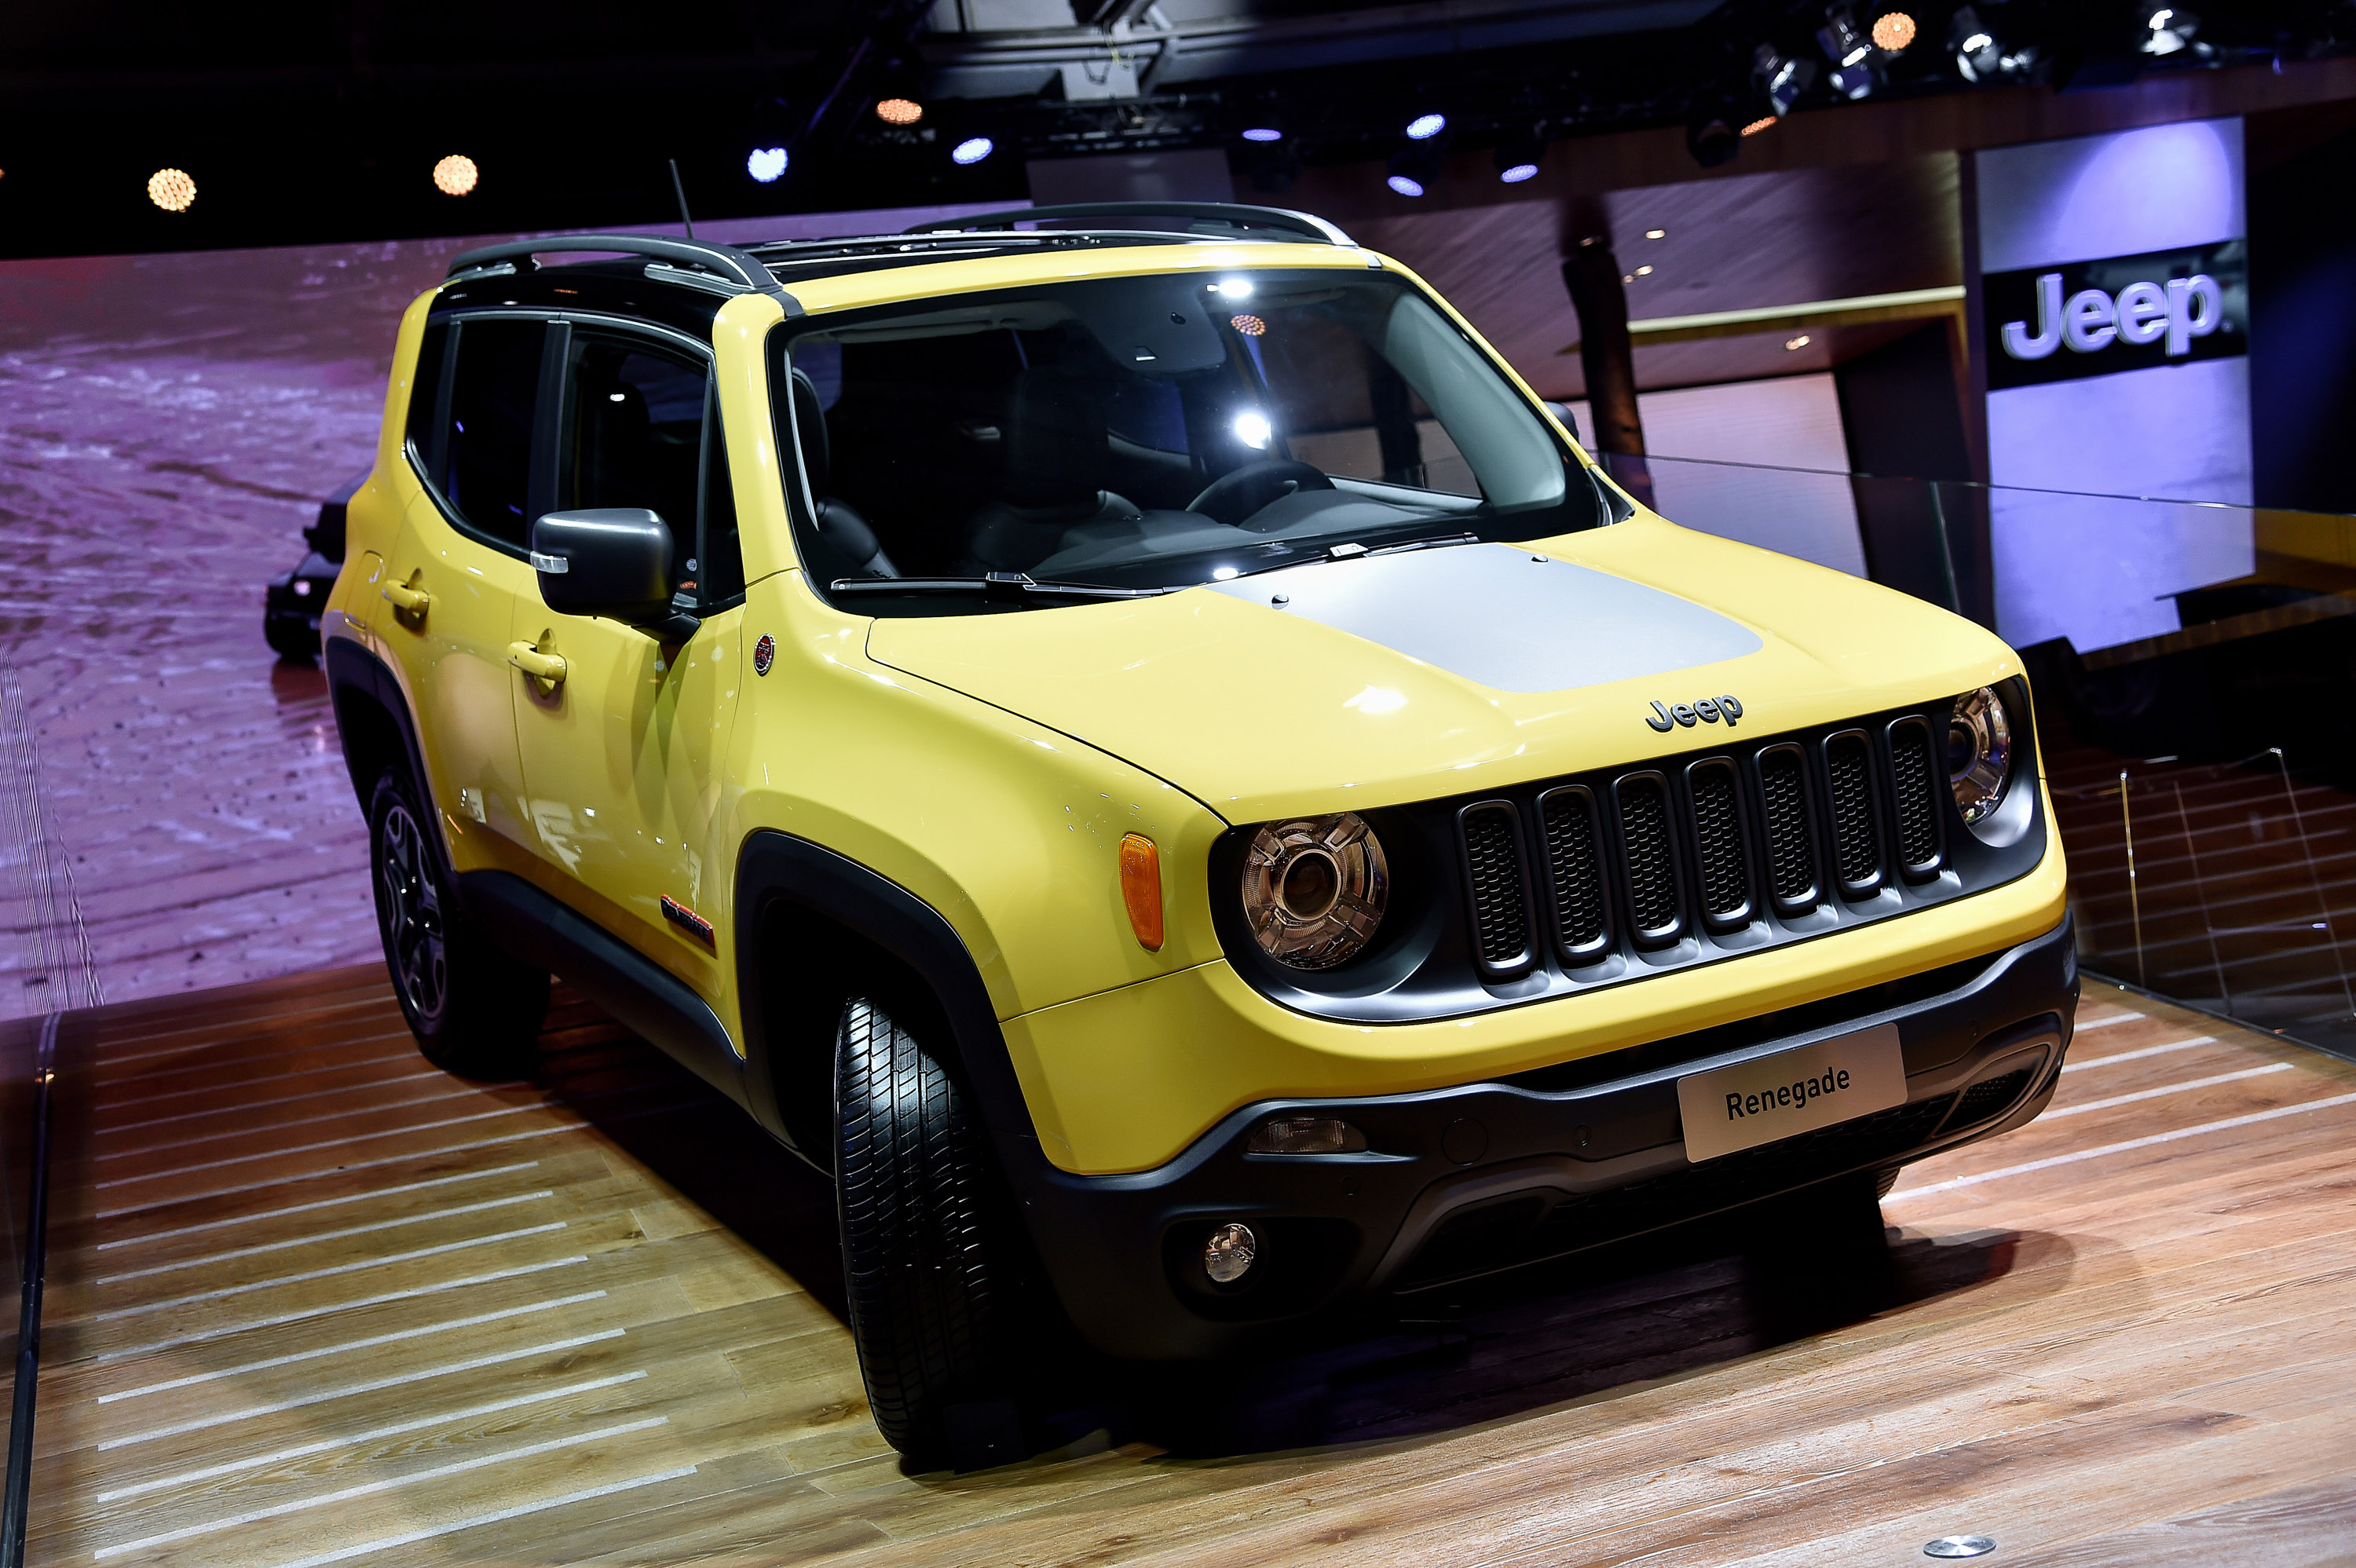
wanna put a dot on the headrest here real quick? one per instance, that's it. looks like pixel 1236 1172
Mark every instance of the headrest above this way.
pixel 810 426
pixel 1056 449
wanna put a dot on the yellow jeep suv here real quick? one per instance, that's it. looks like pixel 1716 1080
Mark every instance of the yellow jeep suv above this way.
pixel 1131 739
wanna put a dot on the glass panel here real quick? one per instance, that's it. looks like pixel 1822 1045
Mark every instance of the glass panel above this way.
pixel 489 438
pixel 636 438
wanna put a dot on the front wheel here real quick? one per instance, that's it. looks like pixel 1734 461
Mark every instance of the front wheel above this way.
pixel 930 1257
pixel 475 1011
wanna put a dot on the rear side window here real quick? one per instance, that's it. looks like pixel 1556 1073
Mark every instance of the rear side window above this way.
pixel 425 391
pixel 486 466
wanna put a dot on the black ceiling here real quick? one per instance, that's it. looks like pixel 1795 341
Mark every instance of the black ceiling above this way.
pixel 323 122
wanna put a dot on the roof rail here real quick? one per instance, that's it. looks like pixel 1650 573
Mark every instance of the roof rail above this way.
pixel 724 261
pixel 1244 221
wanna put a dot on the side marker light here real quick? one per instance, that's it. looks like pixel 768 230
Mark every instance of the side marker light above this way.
pixel 1140 888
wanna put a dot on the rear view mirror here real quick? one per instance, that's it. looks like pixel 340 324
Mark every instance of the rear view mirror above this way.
pixel 609 560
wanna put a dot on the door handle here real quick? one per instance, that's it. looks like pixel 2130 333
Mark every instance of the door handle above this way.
pixel 406 598
pixel 548 667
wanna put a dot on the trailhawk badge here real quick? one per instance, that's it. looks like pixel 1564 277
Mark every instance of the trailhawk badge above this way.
pixel 765 653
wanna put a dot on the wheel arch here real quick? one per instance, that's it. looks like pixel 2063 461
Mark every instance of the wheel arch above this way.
pixel 815 928
pixel 372 722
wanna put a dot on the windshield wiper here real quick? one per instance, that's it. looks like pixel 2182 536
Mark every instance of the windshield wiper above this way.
pixel 1353 551
pixel 1008 587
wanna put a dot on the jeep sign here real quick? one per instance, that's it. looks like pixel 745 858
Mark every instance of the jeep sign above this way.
pixel 2128 312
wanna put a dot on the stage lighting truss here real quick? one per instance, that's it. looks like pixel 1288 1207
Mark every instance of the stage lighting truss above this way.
pixel 172 190
pixel 456 175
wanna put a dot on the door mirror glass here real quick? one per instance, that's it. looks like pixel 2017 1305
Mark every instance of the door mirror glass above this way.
pixel 614 561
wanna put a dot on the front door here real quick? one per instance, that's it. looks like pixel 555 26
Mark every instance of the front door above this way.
pixel 623 760
pixel 455 575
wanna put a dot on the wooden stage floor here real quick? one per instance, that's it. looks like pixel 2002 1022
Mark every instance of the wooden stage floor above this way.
pixel 312 1302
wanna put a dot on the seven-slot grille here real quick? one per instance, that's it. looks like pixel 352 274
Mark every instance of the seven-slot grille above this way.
pixel 1657 850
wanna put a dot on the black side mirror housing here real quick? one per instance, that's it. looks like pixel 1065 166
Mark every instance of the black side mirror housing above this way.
pixel 613 562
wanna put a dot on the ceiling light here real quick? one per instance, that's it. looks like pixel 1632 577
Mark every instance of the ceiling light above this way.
pixel 1765 123
pixel 1799 342
pixel 1249 325
pixel 1411 173
pixel 1980 54
pixel 899 111
pixel 1234 288
pixel 1842 44
pixel 171 189
pixel 1263 133
pixel 1253 430
pixel 1646 271
pixel 2169 30
pixel 1406 185
pixel 1518 160
pixel 1657 234
pixel 456 175
pixel 1892 31
pixel 1781 76
pixel 1424 127
pixel 766 163
pixel 972 150
pixel 1515 173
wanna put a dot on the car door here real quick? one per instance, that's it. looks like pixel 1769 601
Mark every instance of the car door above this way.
pixel 622 759
pixel 456 573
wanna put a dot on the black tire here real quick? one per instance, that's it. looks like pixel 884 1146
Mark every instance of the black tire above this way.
pixel 475 1011
pixel 931 1265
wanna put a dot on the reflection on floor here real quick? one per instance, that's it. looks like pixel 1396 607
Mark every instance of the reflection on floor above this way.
pixel 313 1302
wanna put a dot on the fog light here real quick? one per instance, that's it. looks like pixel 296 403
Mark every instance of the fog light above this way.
pixel 1230 1253
pixel 1307 1135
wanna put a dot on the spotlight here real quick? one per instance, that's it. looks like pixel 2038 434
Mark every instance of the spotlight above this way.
pixel 766 163
pixel 972 150
pixel 1518 161
pixel 1980 55
pixel 1782 77
pixel 2167 30
pixel 1410 173
pixel 1657 234
pixel 1892 31
pixel 1253 430
pixel 1764 123
pixel 1712 140
pixel 1799 342
pixel 171 189
pixel 1842 44
pixel 899 111
pixel 1424 127
pixel 1263 133
pixel 1250 326
pixel 456 175
pixel 1852 81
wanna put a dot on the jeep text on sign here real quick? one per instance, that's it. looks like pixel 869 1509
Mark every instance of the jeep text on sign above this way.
pixel 2126 312
pixel 1792 1091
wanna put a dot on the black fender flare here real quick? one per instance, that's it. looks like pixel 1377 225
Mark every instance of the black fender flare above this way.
pixel 776 869
pixel 355 675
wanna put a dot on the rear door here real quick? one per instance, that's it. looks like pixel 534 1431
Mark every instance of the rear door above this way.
pixel 621 760
pixel 456 573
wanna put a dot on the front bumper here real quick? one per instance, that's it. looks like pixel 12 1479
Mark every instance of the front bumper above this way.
pixel 1466 1181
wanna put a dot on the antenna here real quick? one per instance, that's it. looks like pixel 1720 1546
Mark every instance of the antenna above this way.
pixel 680 191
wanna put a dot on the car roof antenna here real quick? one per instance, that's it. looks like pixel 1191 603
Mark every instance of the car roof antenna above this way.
pixel 680 191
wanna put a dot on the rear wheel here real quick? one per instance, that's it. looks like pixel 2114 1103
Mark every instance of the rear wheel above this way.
pixel 930 1258
pixel 474 1010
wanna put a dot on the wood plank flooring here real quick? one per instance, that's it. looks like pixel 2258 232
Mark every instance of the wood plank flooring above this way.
pixel 313 1302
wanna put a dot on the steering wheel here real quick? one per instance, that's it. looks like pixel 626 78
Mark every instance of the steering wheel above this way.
pixel 1235 495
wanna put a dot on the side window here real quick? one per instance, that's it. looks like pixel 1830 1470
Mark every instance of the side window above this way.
pixel 642 430
pixel 488 436
pixel 425 397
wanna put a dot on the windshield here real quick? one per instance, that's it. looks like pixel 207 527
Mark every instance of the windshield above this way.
pixel 1152 433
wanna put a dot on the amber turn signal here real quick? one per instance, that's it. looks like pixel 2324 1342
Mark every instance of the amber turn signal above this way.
pixel 1140 888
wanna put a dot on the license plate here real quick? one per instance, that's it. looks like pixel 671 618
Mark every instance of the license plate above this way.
pixel 1792 1091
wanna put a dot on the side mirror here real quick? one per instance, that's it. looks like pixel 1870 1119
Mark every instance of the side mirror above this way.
pixel 613 562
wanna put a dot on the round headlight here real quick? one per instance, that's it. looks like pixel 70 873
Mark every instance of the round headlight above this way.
pixel 1313 889
pixel 1979 753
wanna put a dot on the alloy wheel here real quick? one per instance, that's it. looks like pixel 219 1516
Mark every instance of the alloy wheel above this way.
pixel 410 907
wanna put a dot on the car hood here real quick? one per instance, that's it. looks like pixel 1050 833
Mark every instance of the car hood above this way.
pixel 1383 680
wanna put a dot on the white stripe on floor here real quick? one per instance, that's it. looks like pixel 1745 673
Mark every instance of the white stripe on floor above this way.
pixel 259 1248
pixel 2084 1024
pixel 321 1397
pixel 460 1092
pixel 369 1489
pixel 345 1553
pixel 279 1320
pixel 395 1336
pixel 353 1267
pixel 416 1424
pixel 177 1171
pixel 244 1104
pixel 106 1061
pixel 2167 1089
pixel 2072 1159
pixel 318 1203
pixel 2139 1055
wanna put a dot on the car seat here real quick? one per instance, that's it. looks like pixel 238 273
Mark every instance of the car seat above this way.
pixel 1058 458
pixel 839 522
